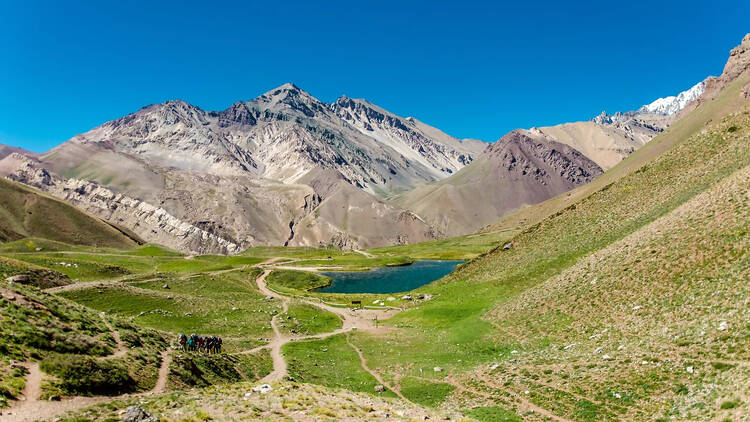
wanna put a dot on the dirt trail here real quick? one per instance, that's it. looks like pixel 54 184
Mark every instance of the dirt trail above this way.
pixel 524 404
pixel 279 363
pixel 31 408
pixel 161 381
pixel 365 254
pixel 351 320
pixel 122 349
pixel 33 387
pixel 374 374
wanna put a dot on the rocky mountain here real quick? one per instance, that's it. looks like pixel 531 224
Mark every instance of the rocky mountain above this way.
pixel 516 171
pixel 142 218
pixel 248 175
pixel 27 212
pixel 552 160
pixel 287 169
pixel 608 138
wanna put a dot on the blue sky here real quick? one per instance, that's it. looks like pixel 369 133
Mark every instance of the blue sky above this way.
pixel 473 69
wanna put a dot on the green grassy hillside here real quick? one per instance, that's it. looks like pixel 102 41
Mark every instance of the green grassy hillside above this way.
pixel 626 299
pixel 73 345
pixel 26 212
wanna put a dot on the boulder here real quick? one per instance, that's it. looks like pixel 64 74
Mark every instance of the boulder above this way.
pixel 138 414
pixel 507 246
pixel 18 278
pixel 262 388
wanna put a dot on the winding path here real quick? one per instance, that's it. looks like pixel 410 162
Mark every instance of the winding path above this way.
pixel 30 407
pixel 374 374
pixel 351 320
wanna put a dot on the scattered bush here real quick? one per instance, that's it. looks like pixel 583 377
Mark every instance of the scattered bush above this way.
pixel 86 375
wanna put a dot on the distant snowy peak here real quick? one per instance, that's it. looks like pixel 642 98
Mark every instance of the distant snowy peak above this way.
pixel 673 104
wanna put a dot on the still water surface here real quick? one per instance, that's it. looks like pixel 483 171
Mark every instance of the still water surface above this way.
pixel 389 279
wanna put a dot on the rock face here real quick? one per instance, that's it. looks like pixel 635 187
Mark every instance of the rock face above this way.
pixel 737 67
pixel 138 414
pixel 218 182
pixel 515 171
pixel 152 223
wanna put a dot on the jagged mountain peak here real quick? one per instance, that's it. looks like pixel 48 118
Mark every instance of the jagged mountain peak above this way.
pixel 671 105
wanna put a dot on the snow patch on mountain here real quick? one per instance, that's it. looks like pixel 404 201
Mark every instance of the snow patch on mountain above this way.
pixel 673 104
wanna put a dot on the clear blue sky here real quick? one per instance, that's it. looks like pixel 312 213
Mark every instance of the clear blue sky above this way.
pixel 473 69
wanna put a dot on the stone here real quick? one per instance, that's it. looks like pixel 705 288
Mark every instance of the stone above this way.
pixel 19 278
pixel 723 326
pixel 391 299
pixel 508 246
pixel 406 297
pixel 138 414
pixel 437 369
pixel 379 388
pixel 166 286
pixel 262 388
pixel 690 370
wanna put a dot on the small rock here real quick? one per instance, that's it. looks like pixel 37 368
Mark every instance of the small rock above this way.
pixel 507 246
pixel 406 297
pixel 391 299
pixel 234 308
pixel 138 414
pixel 636 307
pixel 55 398
pixel 598 350
pixel 262 388
pixel 494 366
pixel 618 395
pixel 19 278
pixel 437 369
pixel 514 352
pixel 568 347
pixel 606 357
pixel 379 388
pixel 37 249
pixel 166 286
pixel 690 370
pixel 723 326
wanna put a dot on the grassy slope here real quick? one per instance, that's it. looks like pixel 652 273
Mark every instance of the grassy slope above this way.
pixel 226 304
pixel 26 212
pixel 473 323
pixel 288 401
pixel 62 335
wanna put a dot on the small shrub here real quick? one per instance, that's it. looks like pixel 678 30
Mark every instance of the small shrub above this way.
pixel 730 404
pixel 86 375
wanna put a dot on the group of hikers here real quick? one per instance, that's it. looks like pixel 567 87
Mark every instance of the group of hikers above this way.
pixel 196 343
